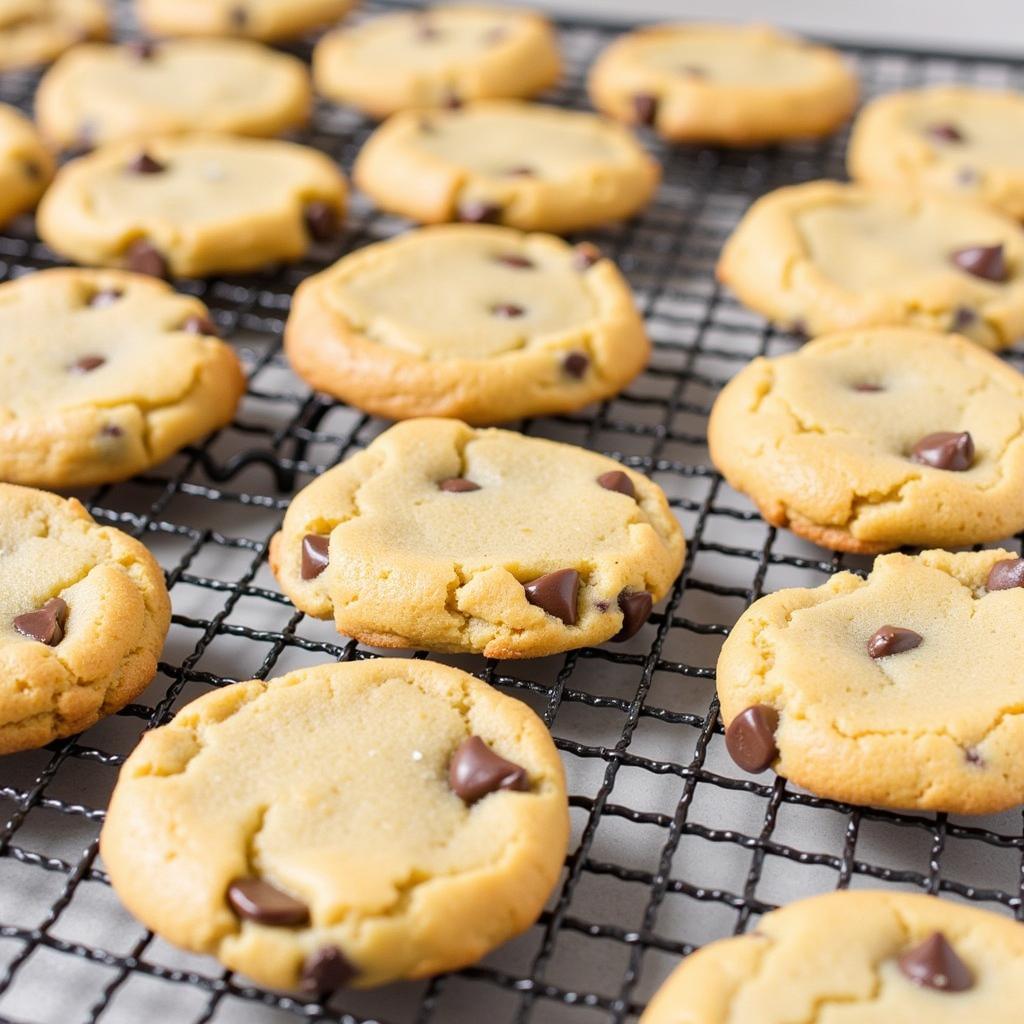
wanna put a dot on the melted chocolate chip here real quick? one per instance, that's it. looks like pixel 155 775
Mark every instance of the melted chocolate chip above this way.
pixel 257 900
pixel 144 258
pixel 1006 574
pixel 314 555
pixel 616 480
pixel 458 485
pixel 141 49
pixel 750 738
pixel 586 255
pixel 985 261
pixel 325 970
pixel 507 310
pixel 963 317
pixel 476 770
pixel 934 964
pixel 556 593
pixel 478 211
pixel 892 640
pixel 321 220
pixel 104 298
pixel 46 624
pixel 636 610
pixel 645 108
pixel 202 325
pixel 945 450
pixel 145 164
pixel 86 364
pixel 575 364
pixel 512 259
pixel 945 132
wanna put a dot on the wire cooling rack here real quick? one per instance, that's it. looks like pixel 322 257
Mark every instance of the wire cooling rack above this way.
pixel 672 845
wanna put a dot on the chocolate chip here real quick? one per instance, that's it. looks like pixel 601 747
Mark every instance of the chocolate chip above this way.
pixel 145 164
pixel 519 171
pixel 458 485
pixel 586 255
pixel 257 900
pixel 750 738
pixel 575 364
pixel 104 298
pixel 45 625
pixel 645 107
pixel 111 430
pixel 963 317
pixel 892 640
pixel 507 310
pixel 239 17
pixel 476 770
pixel 972 756
pixel 867 389
pixel 196 324
pixel 557 593
pixel 141 49
pixel 945 450
pixel 616 480
pixel 321 221
pixel 325 970
pixel 86 364
pixel 1006 574
pixel 451 100
pixel 478 211
pixel 511 259
pixel 934 964
pixel 636 610
pixel 945 132
pixel 314 555
pixel 985 261
pixel 143 258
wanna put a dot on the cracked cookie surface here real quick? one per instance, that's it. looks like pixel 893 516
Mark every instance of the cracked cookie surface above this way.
pixel 34 32
pixel 826 256
pixel 442 57
pixel 433 536
pixel 337 786
pixel 104 375
pixel 100 639
pixel 26 166
pixel 822 440
pixel 256 19
pixel 524 165
pixel 844 958
pixel 736 85
pixel 934 724
pixel 476 322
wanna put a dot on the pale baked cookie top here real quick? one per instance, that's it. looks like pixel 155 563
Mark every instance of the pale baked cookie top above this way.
pixel 524 165
pixel 98 93
pixel 738 85
pixel 454 539
pixel 863 957
pixel 26 165
pixel 825 256
pixel 257 19
pixel 916 701
pixel 35 31
pixel 870 440
pixel 349 824
pixel 477 322
pixel 105 374
pixel 959 139
pixel 83 616
pixel 443 56
pixel 193 205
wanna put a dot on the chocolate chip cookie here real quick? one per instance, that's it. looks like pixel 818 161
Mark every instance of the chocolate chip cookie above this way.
pixel 344 825
pixel 454 539
pixel 825 256
pixel 257 19
pixel 477 322
pixel 26 165
pixel 917 703
pixel 36 31
pixel 83 616
pixel 524 165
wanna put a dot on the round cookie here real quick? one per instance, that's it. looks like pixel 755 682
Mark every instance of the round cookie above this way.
pixel 83 616
pixel 104 375
pixel 258 19
pixel 26 166
pixel 825 256
pixel 98 94
pixel 917 704
pixel 727 84
pixel 193 205
pixel 454 539
pixel 34 32
pixel 344 825
pixel 862 957
pixel 828 441
pixel 524 165
pixel 480 323
pixel 955 139
pixel 438 58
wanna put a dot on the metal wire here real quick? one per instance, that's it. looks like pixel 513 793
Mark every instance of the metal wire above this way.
pixel 673 845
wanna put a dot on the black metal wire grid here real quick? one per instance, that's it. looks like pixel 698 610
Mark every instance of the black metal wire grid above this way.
pixel 672 846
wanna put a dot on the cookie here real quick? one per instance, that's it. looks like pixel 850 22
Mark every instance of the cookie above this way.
pixel 98 94
pixel 524 165
pixel 824 256
pixel 481 323
pixel 26 165
pixel 344 825
pixel 34 32
pixel 257 19
pixel 733 85
pixel 83 616
pixel 870 440
pixel 438 58
pixel 454 539
pixel 869 957
pixel 193 205
pixel 917 704
pixel 956 139
pixel 105 374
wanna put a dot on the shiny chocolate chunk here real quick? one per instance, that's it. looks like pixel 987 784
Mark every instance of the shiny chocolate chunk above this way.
pixel 586 255
pixel 106 297
pixel 45 625
pixel 507 310
pixel 616 480
pixel 476 770
pixel 1006 574
pixel 458 485
pixel 321 220
pixel 314 555
pixel 985 261
pixel 556 593
pixel 257 900
pixel 143 258
pixel 325 970
pixel 478 211
pixel 945 450
pixel 636 610
pixel 944 131
pixel 934 964
pixel 145 164
pixel 750 738
pixel 86 365
pixel 514 260
pixel 645 108
pixel 202 325
pixel 575 364
pixel 892 640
